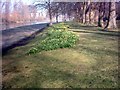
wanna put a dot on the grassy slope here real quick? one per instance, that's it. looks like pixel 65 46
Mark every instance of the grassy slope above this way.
pixel 93 62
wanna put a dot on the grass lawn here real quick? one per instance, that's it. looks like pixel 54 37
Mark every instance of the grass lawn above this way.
pixel 92 63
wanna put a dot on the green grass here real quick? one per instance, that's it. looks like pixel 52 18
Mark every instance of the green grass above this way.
pixel 92 63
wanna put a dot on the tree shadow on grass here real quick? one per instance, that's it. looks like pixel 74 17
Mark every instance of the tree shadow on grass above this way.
pixel 91 28
pixel 116 34
pixel 83 27
pixel 100 50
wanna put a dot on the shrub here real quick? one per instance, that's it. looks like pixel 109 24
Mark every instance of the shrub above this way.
pixel 55 39
pixel 60 26
pixel 33 50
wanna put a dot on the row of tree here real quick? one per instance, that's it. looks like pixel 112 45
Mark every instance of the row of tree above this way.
pixel 18 12
pixel 102 14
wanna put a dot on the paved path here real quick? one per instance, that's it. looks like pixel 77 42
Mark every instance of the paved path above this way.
pixel 13 36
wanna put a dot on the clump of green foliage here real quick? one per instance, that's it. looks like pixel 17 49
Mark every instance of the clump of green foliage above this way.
pixel 61 25
pixel 57 37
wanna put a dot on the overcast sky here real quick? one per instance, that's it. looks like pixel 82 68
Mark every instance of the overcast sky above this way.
pixel 28 1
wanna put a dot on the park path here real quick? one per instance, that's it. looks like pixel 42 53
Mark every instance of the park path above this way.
pixel 10 37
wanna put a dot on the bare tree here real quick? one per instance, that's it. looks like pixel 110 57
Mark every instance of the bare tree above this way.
pixel 55 10
pixel 49 10
pixel 112 21
pixel 7 13
pixel 84 10
pixel 45 5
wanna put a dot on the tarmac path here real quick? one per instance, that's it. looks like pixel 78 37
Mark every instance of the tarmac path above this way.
pixel 11 37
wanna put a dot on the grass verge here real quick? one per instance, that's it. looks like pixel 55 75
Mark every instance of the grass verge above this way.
pixel 92 63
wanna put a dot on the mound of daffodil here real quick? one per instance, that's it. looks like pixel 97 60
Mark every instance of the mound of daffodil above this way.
pixel 57 36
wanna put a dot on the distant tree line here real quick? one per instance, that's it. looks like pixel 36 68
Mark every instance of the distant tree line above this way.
pixel 18 12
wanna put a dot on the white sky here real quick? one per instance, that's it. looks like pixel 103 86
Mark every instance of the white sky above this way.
pixel 25 1
pixel 32 1
pixel 28 1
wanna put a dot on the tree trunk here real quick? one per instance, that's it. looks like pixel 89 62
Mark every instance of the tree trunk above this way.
pixel 111 17
pixel 108 16
pixel 84 15
pixel 86 9
pixel 57 18
pixel 50 13
pixel 90 15
pixel 112 22
pixel 7 7
pixel 99 17
pixel 77 15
